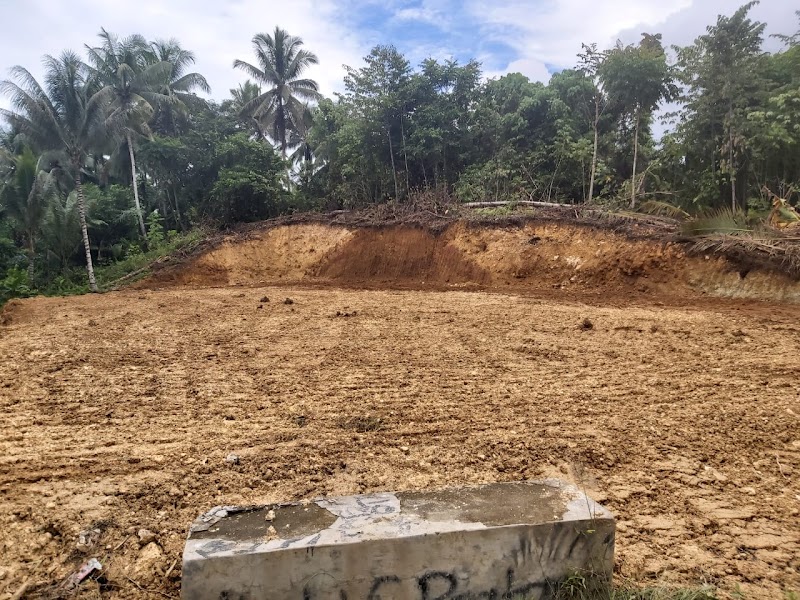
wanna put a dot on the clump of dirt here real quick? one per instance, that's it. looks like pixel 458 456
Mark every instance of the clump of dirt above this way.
pixel 518 254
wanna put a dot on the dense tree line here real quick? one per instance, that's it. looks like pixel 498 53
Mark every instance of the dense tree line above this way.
pixel 114 156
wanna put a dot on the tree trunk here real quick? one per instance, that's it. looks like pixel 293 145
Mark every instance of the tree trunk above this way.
pixel 31 256
pixel 594 152
pixel 178 217
pixel 635 159
pixel 394 170
pixel 136 187
pixel 84 229
pixel 730 160
pixel 405 154
pixel 282 126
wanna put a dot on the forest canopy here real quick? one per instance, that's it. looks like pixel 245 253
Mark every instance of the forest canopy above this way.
pixel 115 157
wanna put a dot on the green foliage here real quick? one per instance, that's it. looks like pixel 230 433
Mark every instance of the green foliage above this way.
pixel 155 231
pixel 720 221
pixel 279 110
pixel 15 284
pixel 136 264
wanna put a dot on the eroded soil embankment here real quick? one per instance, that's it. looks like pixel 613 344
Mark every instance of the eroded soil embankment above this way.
pixel 530 256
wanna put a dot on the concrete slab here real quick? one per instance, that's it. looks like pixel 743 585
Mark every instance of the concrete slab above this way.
pixel 499 540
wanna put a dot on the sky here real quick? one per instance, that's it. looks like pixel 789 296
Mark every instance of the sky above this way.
pixel 534 37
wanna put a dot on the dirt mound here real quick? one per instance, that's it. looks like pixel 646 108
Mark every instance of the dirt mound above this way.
pixel 534 255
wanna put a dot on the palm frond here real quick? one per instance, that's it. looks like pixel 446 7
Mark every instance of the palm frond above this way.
pixel 663 209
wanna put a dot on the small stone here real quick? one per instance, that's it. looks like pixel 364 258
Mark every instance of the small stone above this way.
pixel 3 573
pixel 174 491
pixel 146 536
pixel 270 516
pixel 272 533
pixel 85 541
pixel 264 299
pixel 50 505
pixel 288 301
pixel 159 458
pixel 150 556
pixel 404 449
pixel 232 459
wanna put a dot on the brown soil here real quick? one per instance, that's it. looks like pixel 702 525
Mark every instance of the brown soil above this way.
pixel 678 412
pixel 525 256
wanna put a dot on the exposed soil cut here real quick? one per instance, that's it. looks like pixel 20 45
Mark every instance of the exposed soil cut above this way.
pixel 524 256
pixel 683 421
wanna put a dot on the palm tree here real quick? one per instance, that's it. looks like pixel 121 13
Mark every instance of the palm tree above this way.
pixel 67 119
pixel 25 195
pixel 281 62
pixel 121 66
pixel 240 97
pixel 179 88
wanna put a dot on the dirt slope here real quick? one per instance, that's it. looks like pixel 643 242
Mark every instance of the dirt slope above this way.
pixel 530 256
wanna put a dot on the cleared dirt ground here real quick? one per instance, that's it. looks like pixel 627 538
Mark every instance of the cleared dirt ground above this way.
pixel 118 412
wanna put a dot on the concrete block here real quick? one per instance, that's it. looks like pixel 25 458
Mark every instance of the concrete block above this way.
pixel 494 541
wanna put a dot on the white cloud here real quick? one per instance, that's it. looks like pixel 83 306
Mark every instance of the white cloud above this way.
pixel 551 32
pixel 217 32
pixel 418 13
pixel 542 34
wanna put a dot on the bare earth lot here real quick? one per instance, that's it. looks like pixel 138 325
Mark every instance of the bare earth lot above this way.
pixel 118 412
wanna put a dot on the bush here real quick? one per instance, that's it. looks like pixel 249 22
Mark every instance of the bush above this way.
pixel 14 285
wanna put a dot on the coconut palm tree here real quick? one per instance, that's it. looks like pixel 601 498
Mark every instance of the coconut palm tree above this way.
pixel 240 97
pixel 121 66
pixel 281 63
pixel 178 91
pixel 24 197
pixel 66 119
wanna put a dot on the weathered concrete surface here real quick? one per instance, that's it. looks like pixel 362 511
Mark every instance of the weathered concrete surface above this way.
pixel 493 541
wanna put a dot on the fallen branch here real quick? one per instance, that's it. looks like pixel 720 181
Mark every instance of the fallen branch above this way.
pixel 517 202
pixel 166 575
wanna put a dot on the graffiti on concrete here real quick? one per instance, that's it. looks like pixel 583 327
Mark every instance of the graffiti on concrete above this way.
pixel 437 585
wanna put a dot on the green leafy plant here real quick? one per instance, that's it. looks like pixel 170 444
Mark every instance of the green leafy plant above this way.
pixel 14 285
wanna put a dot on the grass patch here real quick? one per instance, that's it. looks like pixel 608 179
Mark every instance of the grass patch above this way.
pixel 582 586
pixel 703 593
pixel 361 424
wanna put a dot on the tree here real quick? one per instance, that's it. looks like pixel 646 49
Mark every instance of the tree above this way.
pixel 281 64
pixel 375 94
pixel 67 119
pixel 247 187
pixel 178 90
pixel 25 196
pixel 121 67
pixel 590 61
pixel 721 72
pixel 242 95
pixel 637 78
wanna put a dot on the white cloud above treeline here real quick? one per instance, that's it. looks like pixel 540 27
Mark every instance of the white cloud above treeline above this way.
pixel 534 37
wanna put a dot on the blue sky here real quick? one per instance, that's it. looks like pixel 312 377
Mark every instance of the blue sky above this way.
pixel 535 37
